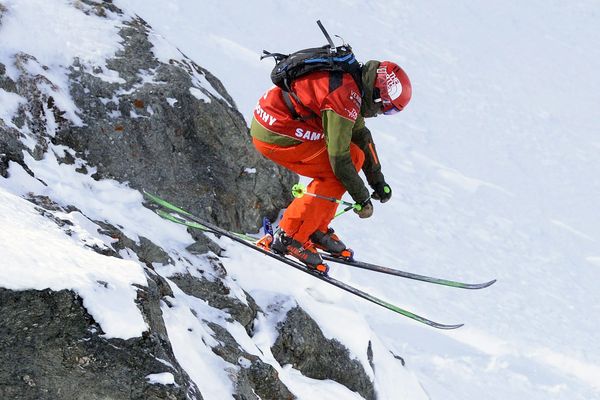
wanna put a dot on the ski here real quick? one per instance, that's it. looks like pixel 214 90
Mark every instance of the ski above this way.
pixel 359 264
pixel 404 274
pixel 183 217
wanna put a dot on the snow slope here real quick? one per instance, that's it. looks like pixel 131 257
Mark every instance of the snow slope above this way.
pixel 494 167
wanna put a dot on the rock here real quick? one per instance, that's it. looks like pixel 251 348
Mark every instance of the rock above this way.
pixel 150 131
pixel 53 349
pixel 147 128
pixel 301 343
pixel 203 244
pixel 217 294
pixel 10 149
pixel 253 377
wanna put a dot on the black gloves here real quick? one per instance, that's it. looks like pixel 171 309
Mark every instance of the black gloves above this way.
pixel 382 192
pixel 366 209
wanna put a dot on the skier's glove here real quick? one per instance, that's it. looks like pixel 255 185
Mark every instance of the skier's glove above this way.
pixel 383 192
pixel 366 209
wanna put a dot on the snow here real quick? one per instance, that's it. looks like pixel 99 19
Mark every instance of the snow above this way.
pixel 187 332
pixel 9 103
pixel 73 34
pixel 163 378
pixel 57 32
pixel 37 255
pixel 494 168
pixel 199 94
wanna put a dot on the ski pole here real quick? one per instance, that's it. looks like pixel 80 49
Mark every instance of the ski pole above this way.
pixel 299 190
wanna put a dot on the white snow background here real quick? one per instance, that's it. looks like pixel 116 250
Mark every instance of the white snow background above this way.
pixel 494 165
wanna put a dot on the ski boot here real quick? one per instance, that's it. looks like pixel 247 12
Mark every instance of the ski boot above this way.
pixel 265 242
pixel 331 243
pixel 307 254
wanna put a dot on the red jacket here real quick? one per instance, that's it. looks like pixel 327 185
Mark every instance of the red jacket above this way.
pixel 314 92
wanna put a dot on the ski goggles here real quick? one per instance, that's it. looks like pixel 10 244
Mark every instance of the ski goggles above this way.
pixel 387 107
pixel 390 110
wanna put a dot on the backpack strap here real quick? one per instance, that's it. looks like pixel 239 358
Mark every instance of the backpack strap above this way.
pixel 288 102
pixel 335 80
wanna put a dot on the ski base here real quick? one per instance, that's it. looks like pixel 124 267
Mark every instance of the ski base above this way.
pixel 404 274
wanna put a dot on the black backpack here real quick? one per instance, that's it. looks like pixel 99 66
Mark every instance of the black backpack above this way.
pixel 337 60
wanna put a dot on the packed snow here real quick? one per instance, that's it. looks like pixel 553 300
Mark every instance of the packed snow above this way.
pixel 36 254
pixel 162 378
pixel 494 168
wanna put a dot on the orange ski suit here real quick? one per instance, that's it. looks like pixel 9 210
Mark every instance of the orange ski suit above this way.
pixel 319 143
pixel 307 214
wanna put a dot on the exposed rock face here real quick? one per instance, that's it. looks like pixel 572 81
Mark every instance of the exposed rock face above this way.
pixel 302 344
pixel 55 351
pixel 152 132
pixel 254 376
pixel 172 129
pixel 216 293
pixel 10 150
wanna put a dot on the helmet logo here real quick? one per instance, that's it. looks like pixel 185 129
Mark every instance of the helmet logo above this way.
pixel 392 83
pixel 394 86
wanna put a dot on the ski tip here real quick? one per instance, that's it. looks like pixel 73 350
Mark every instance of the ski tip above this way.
pixel 490 283
pixel 477 285
pixel 448 327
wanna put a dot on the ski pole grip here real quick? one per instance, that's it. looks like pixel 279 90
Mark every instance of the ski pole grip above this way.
pixel 298 190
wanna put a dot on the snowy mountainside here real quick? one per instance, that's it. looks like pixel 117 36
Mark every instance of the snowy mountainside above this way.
pixel 77 236
pixel 494 167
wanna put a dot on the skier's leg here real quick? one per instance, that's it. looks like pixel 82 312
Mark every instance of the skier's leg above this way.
pixel 307 214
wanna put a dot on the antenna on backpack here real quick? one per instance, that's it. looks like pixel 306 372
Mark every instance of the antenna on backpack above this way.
pixel 331 44
pixel 342 39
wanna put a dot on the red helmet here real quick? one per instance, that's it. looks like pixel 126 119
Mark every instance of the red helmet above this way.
pixel 394 87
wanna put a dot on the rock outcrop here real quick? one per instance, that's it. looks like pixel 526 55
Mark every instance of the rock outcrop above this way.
pixel 169 127
pixel 302 344
pixel 51 348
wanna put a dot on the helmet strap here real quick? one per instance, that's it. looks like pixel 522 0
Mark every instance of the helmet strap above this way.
pixel 377 95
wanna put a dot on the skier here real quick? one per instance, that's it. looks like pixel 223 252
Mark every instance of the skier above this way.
pixel 318 130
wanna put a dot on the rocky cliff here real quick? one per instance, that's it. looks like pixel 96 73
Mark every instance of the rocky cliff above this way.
pixel 170 127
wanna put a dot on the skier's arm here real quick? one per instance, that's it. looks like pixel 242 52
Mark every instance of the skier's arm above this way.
pixel 338 135
pixel 361 135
